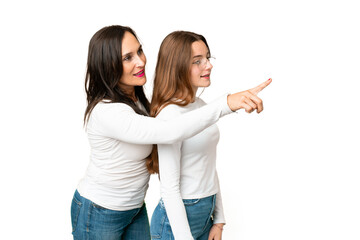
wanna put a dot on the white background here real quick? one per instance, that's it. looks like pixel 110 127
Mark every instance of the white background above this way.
pixel 291 172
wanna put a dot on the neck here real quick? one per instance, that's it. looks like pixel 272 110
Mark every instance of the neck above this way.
pixel 129 91
pixel 195 90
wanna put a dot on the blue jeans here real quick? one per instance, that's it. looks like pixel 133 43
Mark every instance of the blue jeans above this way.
pixel 93 222
pixel 199 213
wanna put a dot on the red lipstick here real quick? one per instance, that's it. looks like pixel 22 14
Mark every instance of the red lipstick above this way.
pixel 140 73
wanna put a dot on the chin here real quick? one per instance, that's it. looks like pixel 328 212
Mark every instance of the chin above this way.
pixel 202 83
pixel 141 82
pixel 207 84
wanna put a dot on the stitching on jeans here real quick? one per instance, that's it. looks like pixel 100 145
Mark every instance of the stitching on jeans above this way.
pixel 77 201
pixel 162 205
pixel 76 214
pixel 98 206
pixel 88 221
pixel 190 203
pixel 162 221
pixel 132 219
pixel 211 213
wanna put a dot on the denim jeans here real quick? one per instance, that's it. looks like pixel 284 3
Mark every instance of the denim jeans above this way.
pixel 199 213
pixel 93 222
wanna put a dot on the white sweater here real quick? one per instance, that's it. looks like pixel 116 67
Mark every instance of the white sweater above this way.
pixel 188 171
pixel 121 139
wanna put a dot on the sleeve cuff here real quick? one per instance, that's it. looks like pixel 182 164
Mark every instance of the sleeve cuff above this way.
pixel 219 219
pixel 225 109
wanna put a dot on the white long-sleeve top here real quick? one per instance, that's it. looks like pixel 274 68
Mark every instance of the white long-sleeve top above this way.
pixel 120 140
pixel 187 170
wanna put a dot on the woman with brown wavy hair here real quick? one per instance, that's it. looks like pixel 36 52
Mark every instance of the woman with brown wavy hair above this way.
pixel 190 206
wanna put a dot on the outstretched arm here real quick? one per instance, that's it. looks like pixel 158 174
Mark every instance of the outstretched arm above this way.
pixel 119 121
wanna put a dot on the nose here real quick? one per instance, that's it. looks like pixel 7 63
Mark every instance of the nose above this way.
pixel 208 65
pixel 141 61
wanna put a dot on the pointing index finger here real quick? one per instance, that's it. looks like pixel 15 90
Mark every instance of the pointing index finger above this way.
pixel 259 88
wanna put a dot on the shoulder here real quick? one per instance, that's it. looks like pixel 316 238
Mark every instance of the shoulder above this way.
pixel 200 102
pixel 173 110
pixel 106 107
pixel 109 110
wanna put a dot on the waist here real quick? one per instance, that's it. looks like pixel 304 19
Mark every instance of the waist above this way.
pixel 124 195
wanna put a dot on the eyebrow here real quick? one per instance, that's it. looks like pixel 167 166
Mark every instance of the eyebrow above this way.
pixel 197 56
pixel 129 53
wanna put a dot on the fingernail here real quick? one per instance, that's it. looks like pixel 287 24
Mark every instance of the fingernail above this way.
pixel 269 79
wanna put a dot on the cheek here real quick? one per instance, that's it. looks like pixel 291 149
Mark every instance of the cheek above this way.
pixel 193 81
pixel 194 75
pixel 143 58
pixel 126 75
pixel 127 68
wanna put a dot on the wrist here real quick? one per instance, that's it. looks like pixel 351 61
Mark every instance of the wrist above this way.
pixel 230 102
pixel 219 225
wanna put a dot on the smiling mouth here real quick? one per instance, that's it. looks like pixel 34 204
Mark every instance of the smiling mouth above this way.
pixel 140 74
pixel 206 76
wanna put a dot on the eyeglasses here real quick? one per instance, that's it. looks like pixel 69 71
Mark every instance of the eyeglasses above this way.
pixel 201 63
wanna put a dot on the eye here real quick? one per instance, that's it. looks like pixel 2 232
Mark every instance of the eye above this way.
pixel 197 62
pixel 127 58
pixel 140 51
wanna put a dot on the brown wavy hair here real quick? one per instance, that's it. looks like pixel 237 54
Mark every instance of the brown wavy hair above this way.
pixel 172 78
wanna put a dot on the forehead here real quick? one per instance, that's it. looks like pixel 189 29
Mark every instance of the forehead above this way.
pixel 129 43
pixel 199 48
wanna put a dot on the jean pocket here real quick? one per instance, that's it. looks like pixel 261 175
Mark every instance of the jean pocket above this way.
pixel 75 212
pixel 189 202
pixel 157 222
pixel 98 206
